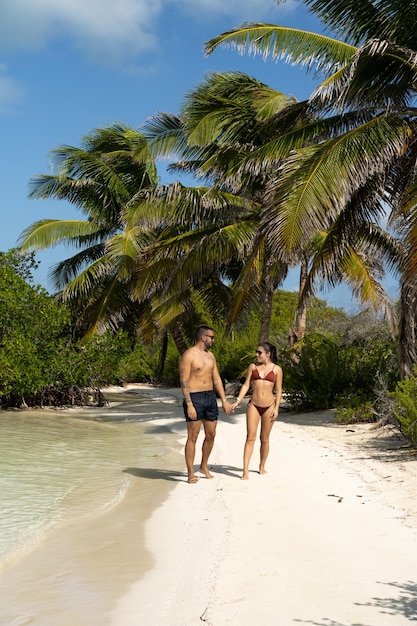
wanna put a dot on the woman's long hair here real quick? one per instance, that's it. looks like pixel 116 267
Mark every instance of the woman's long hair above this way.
pixel 268 347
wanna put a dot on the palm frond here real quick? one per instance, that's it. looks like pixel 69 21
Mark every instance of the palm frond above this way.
pixel 316 182
pixel 360 21
pixel 290 44
pixel 49 233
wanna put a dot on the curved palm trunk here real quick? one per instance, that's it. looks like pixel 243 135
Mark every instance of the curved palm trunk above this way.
pixel 407 356
pixel 162 357
pixel 266 314
pixel 298 328
pixel 178 338
pixel 271 282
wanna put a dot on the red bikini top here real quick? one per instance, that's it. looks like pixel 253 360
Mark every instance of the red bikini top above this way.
pixel 256 375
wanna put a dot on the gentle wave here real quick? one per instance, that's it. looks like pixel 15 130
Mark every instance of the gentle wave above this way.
pixel 55 467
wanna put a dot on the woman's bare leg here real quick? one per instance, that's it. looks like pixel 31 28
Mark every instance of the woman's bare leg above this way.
pixel 252 421
pixel 266 427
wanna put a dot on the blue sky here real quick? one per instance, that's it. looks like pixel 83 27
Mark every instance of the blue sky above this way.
pixel 69 66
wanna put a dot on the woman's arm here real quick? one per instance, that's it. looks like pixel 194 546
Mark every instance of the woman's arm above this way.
pixel 278 391
pixel 245 387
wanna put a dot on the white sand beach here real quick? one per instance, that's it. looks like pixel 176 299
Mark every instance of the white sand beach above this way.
pixel 327 538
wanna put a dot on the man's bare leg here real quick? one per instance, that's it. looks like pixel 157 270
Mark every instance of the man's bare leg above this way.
pixel 193 428
pixel 208 443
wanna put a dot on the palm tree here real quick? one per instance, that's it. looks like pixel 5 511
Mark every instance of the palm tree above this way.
pixel 107 179
pixel 359 154
pixel 115 279
pixel 227 120
pixel 111 168
pixel 228 116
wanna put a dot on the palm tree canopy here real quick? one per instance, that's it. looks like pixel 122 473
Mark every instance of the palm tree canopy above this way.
pixel 357 22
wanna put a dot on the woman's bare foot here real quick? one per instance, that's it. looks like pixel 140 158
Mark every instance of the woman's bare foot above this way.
pixel 245 476
pixel 206 472
pixel 262 470
pixel 192 479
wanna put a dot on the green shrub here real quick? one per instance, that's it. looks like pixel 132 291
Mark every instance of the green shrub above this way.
pixel 404 406
pixel 362 412
pixel 327 373
pixel 139 364
pixel 38 362
pixel 312 376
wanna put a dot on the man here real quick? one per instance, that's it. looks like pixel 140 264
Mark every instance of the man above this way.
pixel 200 379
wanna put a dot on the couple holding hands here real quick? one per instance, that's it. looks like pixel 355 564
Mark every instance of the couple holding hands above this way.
pixel 200 380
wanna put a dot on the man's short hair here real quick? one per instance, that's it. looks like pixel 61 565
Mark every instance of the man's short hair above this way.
pixel 202 330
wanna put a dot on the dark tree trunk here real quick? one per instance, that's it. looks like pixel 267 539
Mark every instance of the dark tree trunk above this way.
pixel 274 276
pixel 266 314
pixel 407 357
pixel 298 328
pixel 178 338
pixel 162 357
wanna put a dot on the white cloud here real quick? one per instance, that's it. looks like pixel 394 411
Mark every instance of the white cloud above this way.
pixel 105 27
pixel 114 29
pixel 10 91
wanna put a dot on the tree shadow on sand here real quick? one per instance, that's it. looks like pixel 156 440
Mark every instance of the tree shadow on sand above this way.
pixel 404 604
pixel 328 622
pixel 386 443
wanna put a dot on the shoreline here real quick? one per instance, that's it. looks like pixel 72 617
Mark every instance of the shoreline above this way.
pixel 76 573
pixel 327 537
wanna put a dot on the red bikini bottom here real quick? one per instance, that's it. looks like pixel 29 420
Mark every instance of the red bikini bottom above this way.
pixel 261 409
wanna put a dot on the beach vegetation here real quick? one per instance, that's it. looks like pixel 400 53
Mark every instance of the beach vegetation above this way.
pixel 403 405
pixel 152 255
pixel 43 363
pixel 343 365
pixel 40 364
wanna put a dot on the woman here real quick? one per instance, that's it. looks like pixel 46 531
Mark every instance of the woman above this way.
pixel 265 377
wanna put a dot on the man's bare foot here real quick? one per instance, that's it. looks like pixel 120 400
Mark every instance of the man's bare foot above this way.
pixel 205 472
pixel 245 476
pixel 192 479
pixel 262 470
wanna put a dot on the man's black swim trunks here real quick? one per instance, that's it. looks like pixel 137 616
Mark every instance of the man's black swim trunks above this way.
pixel 205 403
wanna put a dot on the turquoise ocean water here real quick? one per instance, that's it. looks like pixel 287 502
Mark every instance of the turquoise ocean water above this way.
pixel 56 466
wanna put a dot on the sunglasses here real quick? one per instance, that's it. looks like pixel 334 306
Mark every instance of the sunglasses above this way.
pixel 259 352
pixel 210 336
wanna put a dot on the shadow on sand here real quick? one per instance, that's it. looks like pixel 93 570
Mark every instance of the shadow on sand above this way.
pixel 175 476
pixel 404 605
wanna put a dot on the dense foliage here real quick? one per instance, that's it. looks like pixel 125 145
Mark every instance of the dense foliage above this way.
pixel 39 363
pixel 345 361
pixel 329 373
pixel 403 406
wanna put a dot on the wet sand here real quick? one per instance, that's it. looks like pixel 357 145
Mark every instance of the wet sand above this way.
pixel 76 574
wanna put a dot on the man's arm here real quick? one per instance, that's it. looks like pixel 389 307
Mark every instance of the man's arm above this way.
pixel 185 373
pixel 218 385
